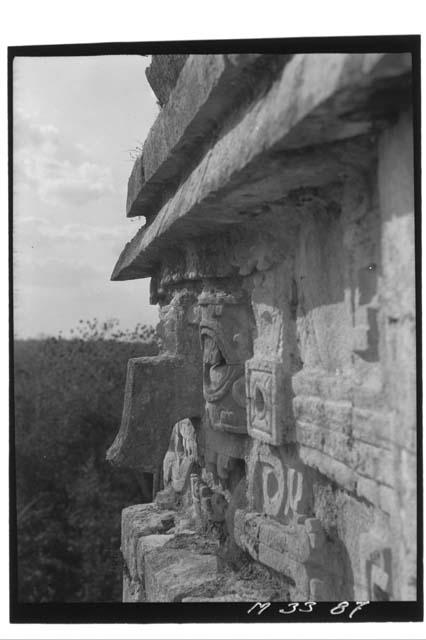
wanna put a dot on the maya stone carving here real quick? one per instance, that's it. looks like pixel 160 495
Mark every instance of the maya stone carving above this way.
pixel 226 343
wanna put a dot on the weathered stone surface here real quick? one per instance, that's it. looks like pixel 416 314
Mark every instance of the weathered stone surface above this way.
pixel 305 105
pixel 396 190
pixel 157 396
pixel 320 590
pixel 173 574
pixel 288 244
pixel 134 585
pixel 230 597
pixel 208 88
pixel 161 391
pixel 166 499
pixel 299 551
pixel 138 521
pixel 225 333
pixel 337 386
pixel 236 589
pixel 145 545
pixel 292 542
pixel 313 410
pixel 133 590
pixel 327 465
pixel 163 73
pixel 334 445
pixel 375 462
pixel 181 455
pixel 373 427
pixel 222 450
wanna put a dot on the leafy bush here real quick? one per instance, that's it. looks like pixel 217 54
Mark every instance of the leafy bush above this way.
pixel 68 403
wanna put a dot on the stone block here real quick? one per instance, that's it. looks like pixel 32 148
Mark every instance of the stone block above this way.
pixel 338 415
pixel 312 383
pixel 253 589
pixel 286 565
pixel 259 588
pixel 335 445
pixel 328 414
pixel 309 409
pixel 292 541
pixel 372 427
pixel 144 546
pixel 328 466
pixel 266 398
pixel 138 521
pixel 375 463
pixel 174 574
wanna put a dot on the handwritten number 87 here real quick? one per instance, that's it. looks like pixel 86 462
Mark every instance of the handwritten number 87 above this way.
pixel 340 608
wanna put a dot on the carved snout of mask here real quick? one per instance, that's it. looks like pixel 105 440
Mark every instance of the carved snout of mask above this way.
pixel 160 391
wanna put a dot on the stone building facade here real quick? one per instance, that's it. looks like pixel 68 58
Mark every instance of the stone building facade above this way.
pixel 279 420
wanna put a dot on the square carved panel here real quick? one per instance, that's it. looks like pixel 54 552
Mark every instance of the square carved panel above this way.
pixel 265 400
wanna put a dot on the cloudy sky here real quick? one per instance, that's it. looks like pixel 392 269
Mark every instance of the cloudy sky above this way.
pixel 77 121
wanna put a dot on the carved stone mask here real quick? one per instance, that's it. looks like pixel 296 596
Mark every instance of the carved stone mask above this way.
pixel 226 344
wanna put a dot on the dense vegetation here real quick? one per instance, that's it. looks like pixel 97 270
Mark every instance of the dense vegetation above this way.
pixel 68 402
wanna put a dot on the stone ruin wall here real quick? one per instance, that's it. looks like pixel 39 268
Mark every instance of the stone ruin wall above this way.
pixel 279 419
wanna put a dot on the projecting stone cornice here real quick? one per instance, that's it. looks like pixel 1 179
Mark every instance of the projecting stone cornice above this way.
pixel 313 123
pixel 208 90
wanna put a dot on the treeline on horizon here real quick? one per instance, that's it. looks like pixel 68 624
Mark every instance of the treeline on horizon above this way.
pixel 68 397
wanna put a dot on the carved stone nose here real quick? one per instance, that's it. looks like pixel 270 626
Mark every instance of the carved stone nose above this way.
pixel 159 392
